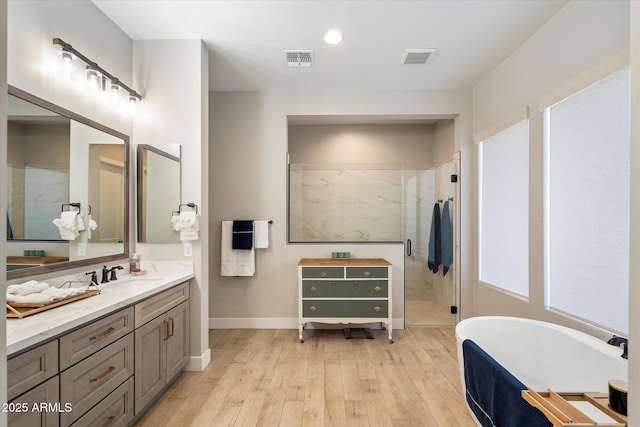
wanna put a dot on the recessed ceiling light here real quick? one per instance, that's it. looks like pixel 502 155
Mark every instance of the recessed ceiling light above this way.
pixel 333 37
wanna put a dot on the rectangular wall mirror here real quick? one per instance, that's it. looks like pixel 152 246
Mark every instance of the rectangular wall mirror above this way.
pixel 158 192
pixel 60 162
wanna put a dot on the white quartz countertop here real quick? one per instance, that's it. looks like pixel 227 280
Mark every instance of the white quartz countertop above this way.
pixel 127 290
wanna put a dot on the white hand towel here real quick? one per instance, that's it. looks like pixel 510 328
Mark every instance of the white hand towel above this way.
pixel 235 262
pixel 261 234
pixel 27 288
pixel 188 226
pixel 92 226
pixel 80 223
pixel 67 225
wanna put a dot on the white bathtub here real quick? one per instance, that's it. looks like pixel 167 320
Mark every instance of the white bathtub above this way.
pixel 544 355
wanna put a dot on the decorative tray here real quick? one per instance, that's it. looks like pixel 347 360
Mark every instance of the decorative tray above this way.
pixel 575 409
pixel 20 310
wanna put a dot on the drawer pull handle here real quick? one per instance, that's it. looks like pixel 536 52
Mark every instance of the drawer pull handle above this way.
pixel 313 289
pixel 172 326
pixel 377 289
pixel 312 308
pixel 323 274
pixel 102 375
pixel 103 334
pixel 377 308
pixel 367 273
pixel 166 330
pixel 109 421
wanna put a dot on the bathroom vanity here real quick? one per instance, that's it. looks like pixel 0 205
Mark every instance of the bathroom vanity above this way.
pixel 101 360
pixel 344 291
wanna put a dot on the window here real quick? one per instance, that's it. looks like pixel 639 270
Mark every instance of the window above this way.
pixel 587 203
pixel 504 209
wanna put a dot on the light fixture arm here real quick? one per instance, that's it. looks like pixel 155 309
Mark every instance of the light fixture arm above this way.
pixel 66 46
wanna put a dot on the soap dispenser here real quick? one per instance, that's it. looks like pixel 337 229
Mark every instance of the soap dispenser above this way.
pixel 134 263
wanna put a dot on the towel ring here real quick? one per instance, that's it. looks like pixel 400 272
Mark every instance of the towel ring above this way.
pixel 191 205
pixel 72 205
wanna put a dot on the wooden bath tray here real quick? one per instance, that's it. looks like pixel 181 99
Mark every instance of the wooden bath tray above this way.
pixel 591 409
pixel 20 310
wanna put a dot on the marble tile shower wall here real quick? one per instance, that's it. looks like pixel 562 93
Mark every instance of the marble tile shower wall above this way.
pixel 346 205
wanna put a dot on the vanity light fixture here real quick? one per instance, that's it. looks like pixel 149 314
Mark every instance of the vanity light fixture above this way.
pixel 333 37
pixel 96 76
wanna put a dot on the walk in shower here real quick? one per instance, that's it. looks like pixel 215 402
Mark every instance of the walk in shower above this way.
pixel 364 203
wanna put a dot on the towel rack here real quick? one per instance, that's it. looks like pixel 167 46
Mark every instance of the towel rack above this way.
pixel 450 199
pixel 191 205
pixel 71 205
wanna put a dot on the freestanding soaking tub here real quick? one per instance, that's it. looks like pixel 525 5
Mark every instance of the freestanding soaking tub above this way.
pixel 540 355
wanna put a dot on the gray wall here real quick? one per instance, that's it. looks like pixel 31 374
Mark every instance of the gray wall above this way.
pixel 248 154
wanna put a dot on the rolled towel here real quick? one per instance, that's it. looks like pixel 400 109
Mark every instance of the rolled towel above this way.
pixel 30 287
pixel 37 298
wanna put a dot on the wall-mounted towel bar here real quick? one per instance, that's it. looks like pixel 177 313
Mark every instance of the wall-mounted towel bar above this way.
pixel 191 205
pixel 71 205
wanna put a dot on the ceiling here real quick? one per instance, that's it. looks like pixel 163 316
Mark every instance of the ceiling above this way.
pixel 245 39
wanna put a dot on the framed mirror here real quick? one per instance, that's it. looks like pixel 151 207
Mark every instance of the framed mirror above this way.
pixel 67 184
pixel 158 173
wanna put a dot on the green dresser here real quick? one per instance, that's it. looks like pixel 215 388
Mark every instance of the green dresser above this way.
pixel 344 291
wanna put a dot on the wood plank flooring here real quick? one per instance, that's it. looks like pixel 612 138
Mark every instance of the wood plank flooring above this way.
pixel 265 377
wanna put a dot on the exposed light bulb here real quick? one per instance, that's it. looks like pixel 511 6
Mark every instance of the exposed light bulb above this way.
pixel 333 37
pixel 93 79
pixel 115 93
pixel 67 64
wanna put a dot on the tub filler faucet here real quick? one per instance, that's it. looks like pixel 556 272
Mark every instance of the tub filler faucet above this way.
pixel 620 342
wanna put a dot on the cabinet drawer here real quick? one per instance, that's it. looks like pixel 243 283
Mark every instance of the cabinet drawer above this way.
pixel 31 368
pixel 116 410
pixel 45 396
pixel 87 382
pixel 344 288
pixel 367 272
pixel 87 340
pixel 345 308
pixel 323 272
pixel 158 304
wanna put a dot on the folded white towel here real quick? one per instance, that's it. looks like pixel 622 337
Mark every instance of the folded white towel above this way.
pixel 261 234
pixel 27 288
pixel 235 262
pixel 67 225
pixel 188 226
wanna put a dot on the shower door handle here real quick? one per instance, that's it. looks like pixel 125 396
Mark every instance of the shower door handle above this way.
pixel 408 247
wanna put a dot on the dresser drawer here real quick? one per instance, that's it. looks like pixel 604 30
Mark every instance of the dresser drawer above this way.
pixel 367 272
pixel 323 272
pixel 87 382
pixel 161 303
pixel 344 288
pixel 344 308
pixel 87 340
pixel 116 410
pixel 31 368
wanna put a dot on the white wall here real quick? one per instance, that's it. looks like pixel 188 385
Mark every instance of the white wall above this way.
pixel 3 197
pixel 248 167
pixel 634 272
pixel 173 78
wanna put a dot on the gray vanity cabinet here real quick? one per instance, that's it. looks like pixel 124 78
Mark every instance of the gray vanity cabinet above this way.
pixel 37 407
pixel 161 345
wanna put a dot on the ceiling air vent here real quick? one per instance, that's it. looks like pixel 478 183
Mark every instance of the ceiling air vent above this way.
pixel 416 56
pixel 299 58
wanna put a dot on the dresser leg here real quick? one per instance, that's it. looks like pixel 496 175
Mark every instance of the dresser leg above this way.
pixel 389 328
pixel 300 328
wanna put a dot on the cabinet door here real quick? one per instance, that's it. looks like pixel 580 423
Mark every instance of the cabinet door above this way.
pixel 178 342
pixel 31 368
pixel 150 361
pixel 37 408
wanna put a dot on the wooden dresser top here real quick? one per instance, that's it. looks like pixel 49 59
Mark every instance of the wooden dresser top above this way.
pixel 343 261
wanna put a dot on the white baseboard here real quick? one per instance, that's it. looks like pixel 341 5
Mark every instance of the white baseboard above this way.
pixel 278 323
pixel 198 363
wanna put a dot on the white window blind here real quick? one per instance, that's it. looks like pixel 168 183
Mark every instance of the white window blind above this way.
pixel 504 209
pixel 587 203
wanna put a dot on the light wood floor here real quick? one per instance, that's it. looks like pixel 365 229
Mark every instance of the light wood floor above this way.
pixel 261 377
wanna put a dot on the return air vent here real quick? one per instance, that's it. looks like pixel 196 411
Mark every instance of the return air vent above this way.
pixel 416 56
pixel 299 58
